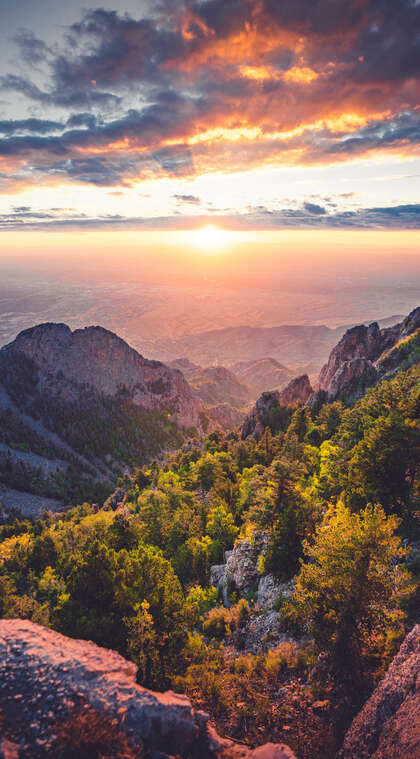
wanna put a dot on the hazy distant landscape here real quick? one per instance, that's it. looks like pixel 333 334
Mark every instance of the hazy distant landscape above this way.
pixel 164 321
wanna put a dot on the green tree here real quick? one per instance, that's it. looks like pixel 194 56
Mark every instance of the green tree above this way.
pixel 221 527
pixel 143 645
pixel 348 591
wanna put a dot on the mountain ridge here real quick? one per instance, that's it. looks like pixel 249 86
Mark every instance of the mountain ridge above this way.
pixel 88 401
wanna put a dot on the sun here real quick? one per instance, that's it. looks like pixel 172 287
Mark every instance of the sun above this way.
pixel 210 238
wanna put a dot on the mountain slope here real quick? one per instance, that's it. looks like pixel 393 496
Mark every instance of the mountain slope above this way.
pixel 291 345
pixel 365 355
pixel 262 374
pixel 82 405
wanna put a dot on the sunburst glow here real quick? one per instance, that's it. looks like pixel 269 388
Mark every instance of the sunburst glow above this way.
pixel 210 238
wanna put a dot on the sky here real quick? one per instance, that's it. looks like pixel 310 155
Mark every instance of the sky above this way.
pixel 236 114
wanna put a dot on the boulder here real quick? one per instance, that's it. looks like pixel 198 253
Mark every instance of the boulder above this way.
pixel 218 579
pixel 240 572
pixel 261 633
pixel 388 726
pixel 44 675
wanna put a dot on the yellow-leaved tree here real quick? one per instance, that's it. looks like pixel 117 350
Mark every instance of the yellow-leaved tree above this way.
pixel 349 589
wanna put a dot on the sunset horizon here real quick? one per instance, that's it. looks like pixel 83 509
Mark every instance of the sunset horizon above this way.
pixel 210 379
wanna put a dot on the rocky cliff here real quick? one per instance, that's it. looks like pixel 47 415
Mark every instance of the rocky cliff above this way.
pixel 69 363
pixel 76 408
pixel 388 727
pixel 241 574
pixel 264 413
pixel 362 357
pixel 45 676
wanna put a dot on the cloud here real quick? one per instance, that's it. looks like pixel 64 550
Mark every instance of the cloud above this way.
pixel 314 209
pixel 259 217
pixel 200 85
pixel 32 49
pixel 193 199
pixel 64 98
pixel 39 126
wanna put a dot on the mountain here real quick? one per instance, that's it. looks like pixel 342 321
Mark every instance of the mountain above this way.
pixel 267 410
pixel 225 399
pixel 214 384
pixel 303 348
pixel 365 355
pixel 79 406
pixel 262 374
pixel 294 346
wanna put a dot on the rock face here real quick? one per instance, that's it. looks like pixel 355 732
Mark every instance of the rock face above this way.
pixel 241 573
pixel 297 391
pixel 97 358
pixel 264 412
pixel 388 727
pixel 352 378
pixel 356 362
pixel 260 416
pixel 358 342
pixel 84 405
pixel 43 675
pixel 270 590
pixel 241 569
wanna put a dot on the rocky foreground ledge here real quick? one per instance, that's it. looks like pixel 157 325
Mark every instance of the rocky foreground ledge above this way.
pixel 388 727
pixel 45 675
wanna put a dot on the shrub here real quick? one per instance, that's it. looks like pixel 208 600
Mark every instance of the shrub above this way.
pixel 221 622
pixel 85 734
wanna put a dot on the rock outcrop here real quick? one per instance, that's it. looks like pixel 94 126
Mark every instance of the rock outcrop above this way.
pixel 95 358
pixel 358 360
pixel 352 379
pixel 264 413
pixel 84 405
pixel 44 676
pixel 261 415
pixel 270 590
pixel 358 342
pixel 240 572
pixel 388 726
pixel 297 391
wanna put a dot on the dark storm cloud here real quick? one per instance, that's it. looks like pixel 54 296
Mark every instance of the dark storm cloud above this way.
pixel 114 48
pixel 39 126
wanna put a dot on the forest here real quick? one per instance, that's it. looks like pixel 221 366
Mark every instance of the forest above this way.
pixel 331 492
